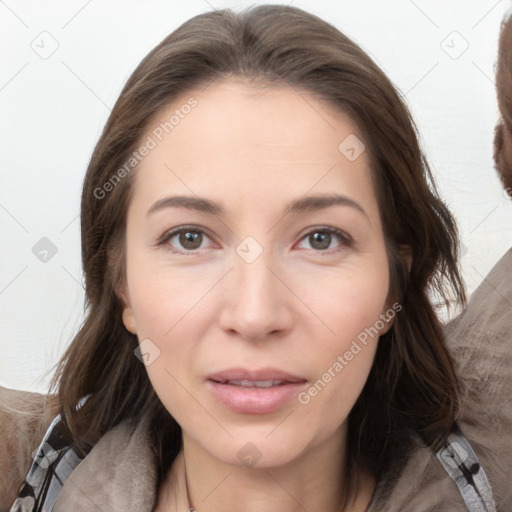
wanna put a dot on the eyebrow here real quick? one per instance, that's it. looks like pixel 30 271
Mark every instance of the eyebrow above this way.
pixel 304 204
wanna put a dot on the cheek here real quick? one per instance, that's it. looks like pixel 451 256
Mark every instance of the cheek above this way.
pixel 163 311
pixel 342 363
pixel 348 302
pixel 162 298
pixel 170 312
pixel 350 309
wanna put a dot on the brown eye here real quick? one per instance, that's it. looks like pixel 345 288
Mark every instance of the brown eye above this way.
pixel 320 239
pixel 184 240
pixel 190 239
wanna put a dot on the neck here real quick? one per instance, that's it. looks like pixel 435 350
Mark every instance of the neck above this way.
pixel 312 481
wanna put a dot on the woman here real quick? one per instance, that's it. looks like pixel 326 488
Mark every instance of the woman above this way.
pixel 260 236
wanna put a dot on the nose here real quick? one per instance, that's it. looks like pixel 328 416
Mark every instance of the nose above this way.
pixel 257 302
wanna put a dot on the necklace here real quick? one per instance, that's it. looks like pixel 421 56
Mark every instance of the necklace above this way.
pixel 190 509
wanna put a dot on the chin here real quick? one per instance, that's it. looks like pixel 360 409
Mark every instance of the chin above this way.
pixel 256 450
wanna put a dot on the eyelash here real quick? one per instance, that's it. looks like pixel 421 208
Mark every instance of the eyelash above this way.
pixel 346 240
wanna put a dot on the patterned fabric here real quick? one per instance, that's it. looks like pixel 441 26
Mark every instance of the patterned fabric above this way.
pixel 461 463
pixel 54 461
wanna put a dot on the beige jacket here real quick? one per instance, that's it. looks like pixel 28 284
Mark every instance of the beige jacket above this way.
pixel 480 340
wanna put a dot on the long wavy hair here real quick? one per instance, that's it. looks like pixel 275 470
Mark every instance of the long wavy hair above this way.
pixel 412 386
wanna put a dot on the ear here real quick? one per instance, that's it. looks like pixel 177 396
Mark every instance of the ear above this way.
pixel 122 293
pixel 129 320
pixel 387 317
pixel 128 315
pixel 386 321
pixel 393 307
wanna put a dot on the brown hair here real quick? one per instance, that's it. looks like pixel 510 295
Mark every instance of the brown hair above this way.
pixel 503 131
pixel 412 385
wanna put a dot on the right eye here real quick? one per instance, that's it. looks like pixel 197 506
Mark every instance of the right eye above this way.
pixel 189 238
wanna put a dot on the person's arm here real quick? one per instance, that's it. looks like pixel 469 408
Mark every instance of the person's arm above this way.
pixel 24 418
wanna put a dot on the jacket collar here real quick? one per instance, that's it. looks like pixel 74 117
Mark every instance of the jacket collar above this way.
pixel 119 474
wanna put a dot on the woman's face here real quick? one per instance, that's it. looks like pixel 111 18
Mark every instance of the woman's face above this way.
pixel 258 327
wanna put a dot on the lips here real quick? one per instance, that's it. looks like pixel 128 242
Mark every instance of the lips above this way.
pixel 254 392
pixel 244 377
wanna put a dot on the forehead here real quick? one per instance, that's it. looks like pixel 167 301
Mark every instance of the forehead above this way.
pixel 264 141
pixel 234 114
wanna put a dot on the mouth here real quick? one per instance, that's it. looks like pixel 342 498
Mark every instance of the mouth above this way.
pixel 253 383
pixel 254 392
pixel 264 377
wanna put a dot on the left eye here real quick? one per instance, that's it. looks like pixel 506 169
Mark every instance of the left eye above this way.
pixel 321 238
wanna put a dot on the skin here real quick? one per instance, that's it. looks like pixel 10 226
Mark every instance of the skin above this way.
pixel 297 307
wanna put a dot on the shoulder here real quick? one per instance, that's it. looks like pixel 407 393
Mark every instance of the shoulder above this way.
pixel 487 313
pixel 24 418
pixel 416 481
pixel 422 480
pixel 480 341
pixel 119 472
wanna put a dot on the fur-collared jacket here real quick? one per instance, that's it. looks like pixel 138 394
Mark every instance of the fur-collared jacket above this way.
pixel 473 472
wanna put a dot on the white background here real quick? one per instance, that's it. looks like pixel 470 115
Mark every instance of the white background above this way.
pixel 53 111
